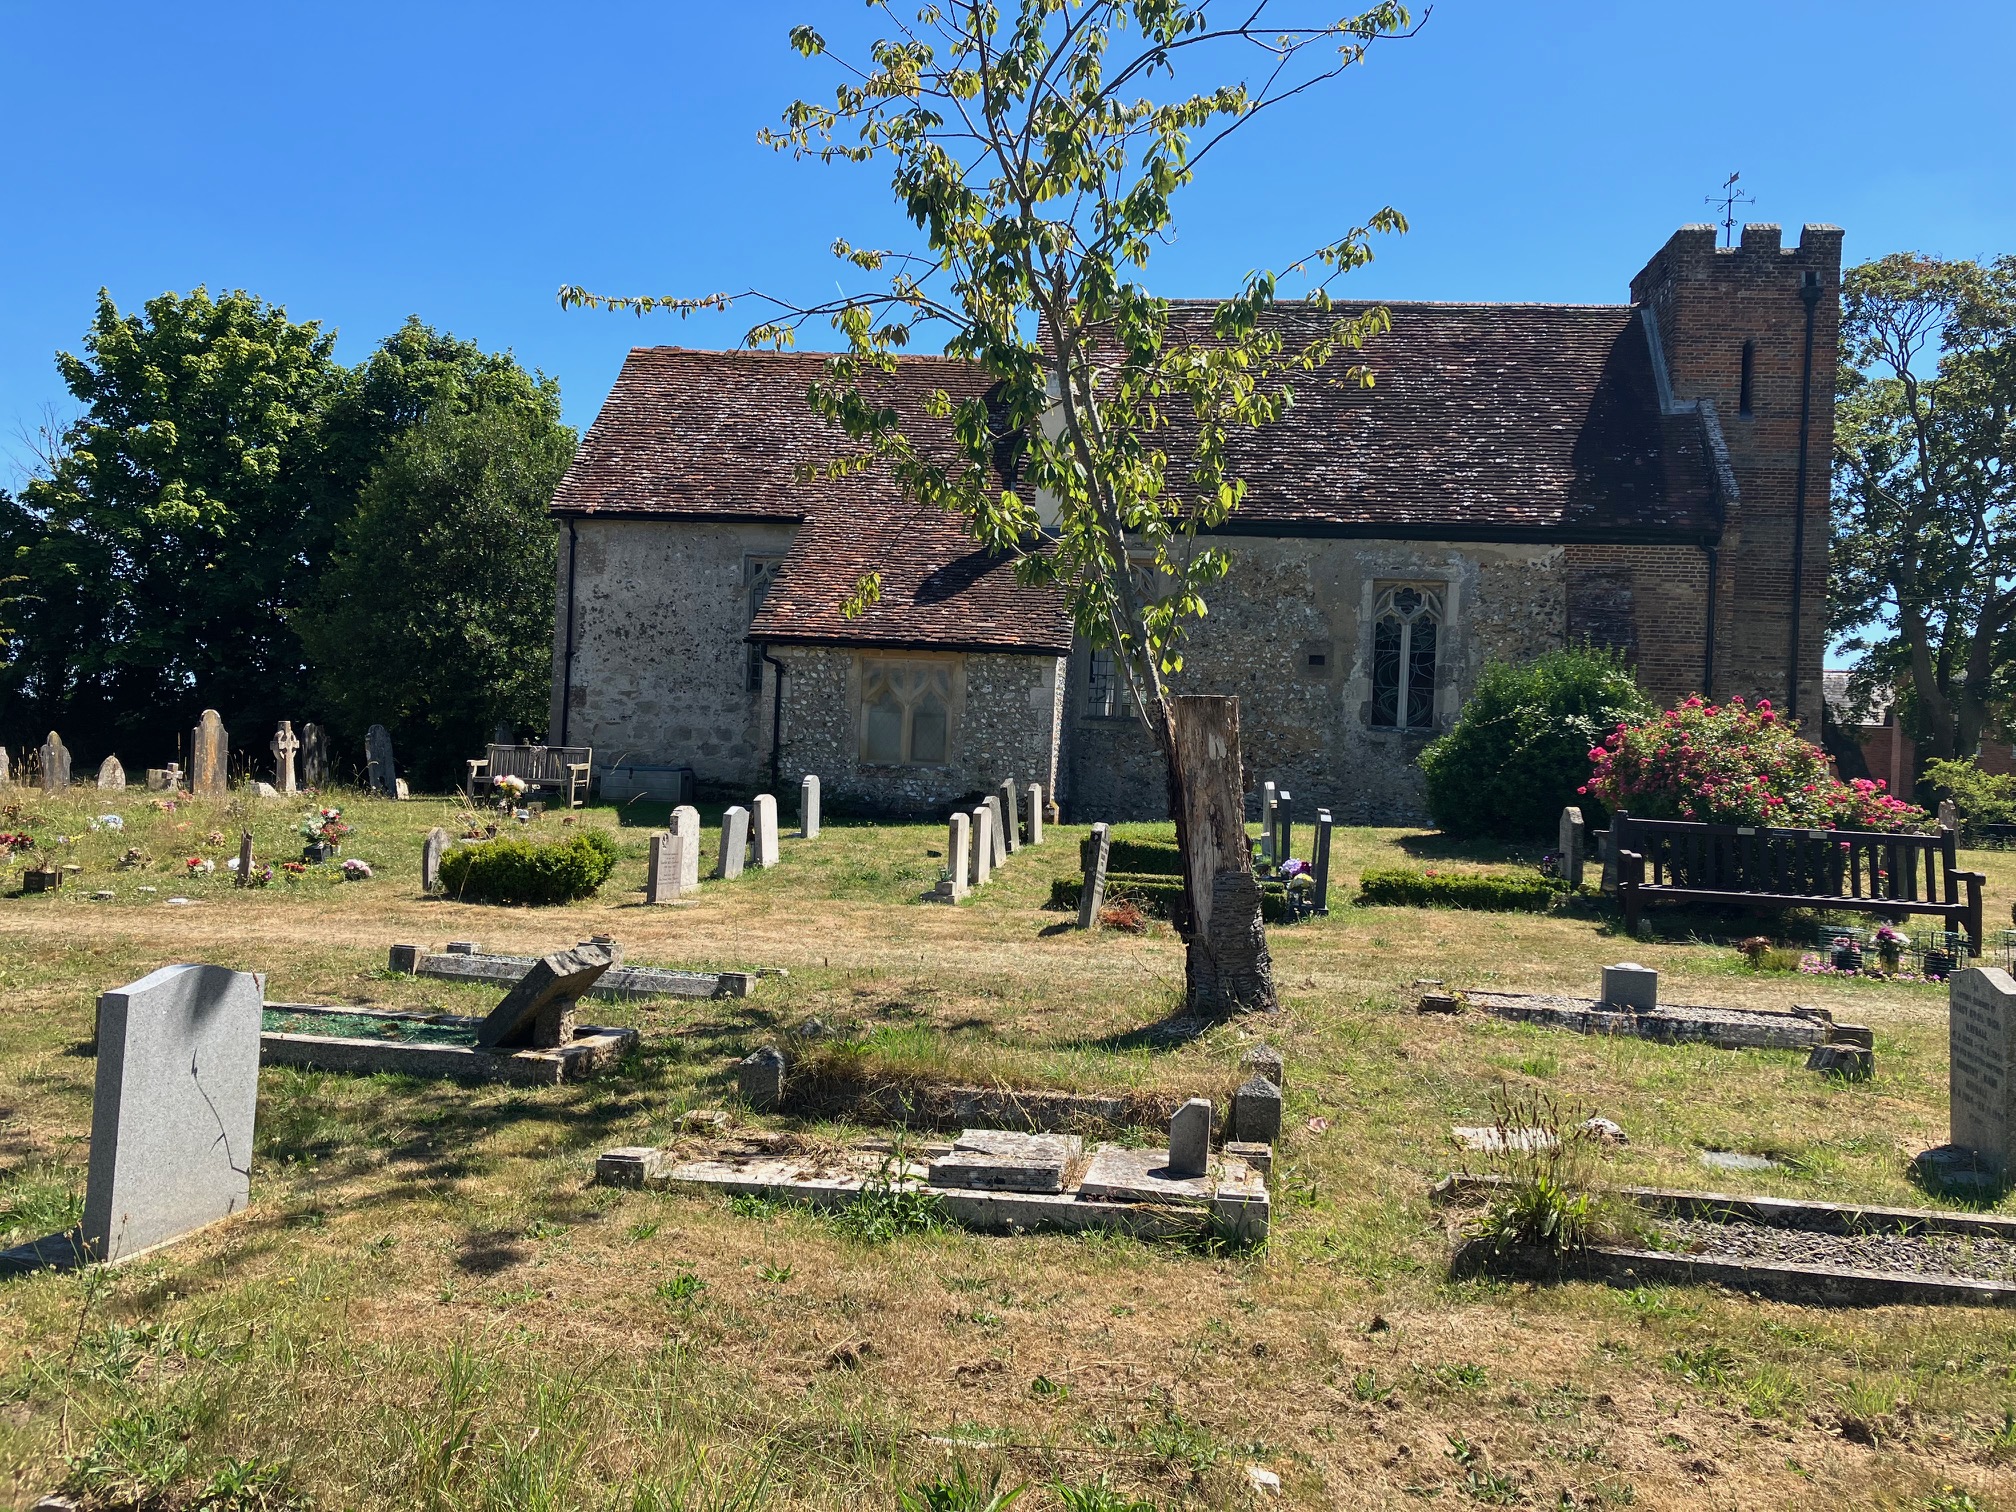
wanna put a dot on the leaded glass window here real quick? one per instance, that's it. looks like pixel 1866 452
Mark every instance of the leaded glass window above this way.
pixel 1405 630
pixel 906 712
pixel 1107 691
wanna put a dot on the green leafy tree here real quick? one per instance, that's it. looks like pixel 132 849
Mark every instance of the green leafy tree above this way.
pixel 1040 148
pixel 435 616
pixel 1923 555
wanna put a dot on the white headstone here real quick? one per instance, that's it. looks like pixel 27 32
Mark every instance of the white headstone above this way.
pixel 766 829
pixel 1629 985
pixel 686 822
pixel 171 1121
pixel 734 842
pixel 1981 1048
pixel 997 841
pixel 1267 807
pixel 6 769
pixel 1571 845
pixel 1011 809
pixel 111 775
pixel 983 844
pixel 431 852
pixel 1035 813
pixel 671 858
pixel 958 855
pixel 808 806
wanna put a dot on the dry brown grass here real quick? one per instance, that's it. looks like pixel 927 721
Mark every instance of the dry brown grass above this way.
pixel 428 1306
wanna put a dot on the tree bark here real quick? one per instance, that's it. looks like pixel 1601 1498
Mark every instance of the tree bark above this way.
pixel 1227 967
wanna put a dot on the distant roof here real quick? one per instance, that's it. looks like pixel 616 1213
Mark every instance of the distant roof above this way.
pixel 1837 688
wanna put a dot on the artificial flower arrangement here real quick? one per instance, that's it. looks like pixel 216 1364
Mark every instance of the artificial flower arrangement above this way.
pixel 324 826
pixel 355 870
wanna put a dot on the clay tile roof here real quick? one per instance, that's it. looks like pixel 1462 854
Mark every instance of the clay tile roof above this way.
pixel 940 590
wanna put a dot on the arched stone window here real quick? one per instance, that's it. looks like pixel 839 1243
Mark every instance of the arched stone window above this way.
pixel 1406 628
pixel 906 712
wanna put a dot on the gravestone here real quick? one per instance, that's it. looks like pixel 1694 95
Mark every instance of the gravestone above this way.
pixel 285 744
pixel 734 842
pixel 1265 1060
pixel 1949 815
pixel 55 765
pixel 1320 861
pixel 983 845
pixel 1190 1138
pixel 1256 1111
pixel 503 734
pixel 760 1079
pixel 808 807
pixel 1010 807
pixel 540 1009
pixel 1629 985
pixel 766 829
pixel 997 851
pixel 1571 844
pixel 686 822
pixel 958 856
pixel 315 771
pixel 6 769
pixel 381 772
pixel 1035 813
pixel 209 756
pixel 1981 1048
pixel 431 852
pixel 244 858
pixel 166 779
pixel 1267 822
pixel 672 859
pixel 111 775
pixel 1092 893
pixel 171 1119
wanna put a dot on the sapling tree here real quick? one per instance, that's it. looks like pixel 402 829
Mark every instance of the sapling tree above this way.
pixel 1039 147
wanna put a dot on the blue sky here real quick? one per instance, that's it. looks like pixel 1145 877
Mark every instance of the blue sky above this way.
pixel 364 161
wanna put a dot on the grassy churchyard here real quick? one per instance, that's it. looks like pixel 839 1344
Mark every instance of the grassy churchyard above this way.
pixel 428 1304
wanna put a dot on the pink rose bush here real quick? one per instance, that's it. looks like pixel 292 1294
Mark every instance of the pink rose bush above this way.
pixel 1730 763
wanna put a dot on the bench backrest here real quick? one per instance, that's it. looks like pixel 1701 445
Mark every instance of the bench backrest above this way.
pixel 1814 863
pixel 537 763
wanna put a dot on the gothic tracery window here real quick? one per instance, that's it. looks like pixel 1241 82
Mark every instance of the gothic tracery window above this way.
pixel 1405 632
pixel 906 712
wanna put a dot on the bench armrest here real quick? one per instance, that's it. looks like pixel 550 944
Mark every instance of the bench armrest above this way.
pixel 1630 867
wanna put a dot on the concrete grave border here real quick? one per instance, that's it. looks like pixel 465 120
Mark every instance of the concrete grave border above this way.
pixel 619 981
pixel 593 1048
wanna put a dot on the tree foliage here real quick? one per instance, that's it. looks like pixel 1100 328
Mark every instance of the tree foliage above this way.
pixel 1924 541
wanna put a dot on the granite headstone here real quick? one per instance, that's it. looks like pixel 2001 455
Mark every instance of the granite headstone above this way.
pixel 111 775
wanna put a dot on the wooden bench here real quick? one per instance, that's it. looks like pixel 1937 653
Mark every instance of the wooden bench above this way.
pixel 562 769
pixel 1860 871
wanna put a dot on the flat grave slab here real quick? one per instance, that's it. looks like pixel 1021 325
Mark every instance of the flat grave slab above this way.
pixel 1002 1160
pixel 438 1045
pixel 1117 1174
pixel 1674 1023
pixel 617 982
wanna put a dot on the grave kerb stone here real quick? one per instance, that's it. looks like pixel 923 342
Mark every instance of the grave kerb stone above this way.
pixel 1981 1046
pixel 1092 892
pixel 734 842
pixel 766 853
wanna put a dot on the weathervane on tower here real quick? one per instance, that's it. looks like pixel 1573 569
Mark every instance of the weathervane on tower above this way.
pixel 1728 200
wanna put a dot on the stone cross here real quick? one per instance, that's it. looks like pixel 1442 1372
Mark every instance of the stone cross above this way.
pixel 1190 1138
pixel 285 744
pixel 671 859
pixel 686 822
pixel 983 843
pixel 1092 895
pixel 381 771
pixel 209 756
pixel 245 858
pixel 808 807
pixel 55 765
pixel 431 851
pixel 997 843
pixel 111 775
pixel 1321 860
pixel 1035 813
pixel 766 829
pixel 1010 809
pixel 314 756
pixel 1572 843
pixel 539 1010
pixel 171 1120
pixel 958 856
pixel 734 842
pixel 1981 1046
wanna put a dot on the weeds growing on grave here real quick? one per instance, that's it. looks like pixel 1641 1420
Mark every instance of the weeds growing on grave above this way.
pixel 1543 1156
pixel 960 1491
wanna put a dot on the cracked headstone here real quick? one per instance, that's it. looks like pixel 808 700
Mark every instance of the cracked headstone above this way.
pixel 539 1010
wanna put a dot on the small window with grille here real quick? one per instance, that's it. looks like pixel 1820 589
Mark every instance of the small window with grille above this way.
pixel 1406 628
pixel 1107 691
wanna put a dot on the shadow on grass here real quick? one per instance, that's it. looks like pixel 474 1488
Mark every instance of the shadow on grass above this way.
pixel 1440 847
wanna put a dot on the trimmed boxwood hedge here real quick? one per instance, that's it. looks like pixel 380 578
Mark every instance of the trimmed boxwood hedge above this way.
pixel 1156 894
pixel 1143 858
pixel 1500 892
pixel 525 871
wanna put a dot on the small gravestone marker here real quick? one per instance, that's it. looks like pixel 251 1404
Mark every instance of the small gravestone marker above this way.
pixel 399 789
pixel 1011 807
pixel 1321 860
pixel 1267 822
pixel 686 823
pixel 171 1119
pixel 431 851
pixel 404 959
pixel 285 745
pixel 958 853
pixel 1035 813
pixel 1284 828
pixel 111 775
pixel 209 756
pixel 1190 1138
pixel 1982 1063
pixel 55 765
pixel 808 807
pixel 760 1079
pixel 1092 893
pixel 983 845
pixel 6 769
pixel 766 829
pixel 1265 1060
pixel 245 858
pixel 314 756
pixel 1629 985
pixel 671 859
pixel 734 842
pixel 1949 814
pixel 381 772
pixel 997 842
pixel 539 1010
pixel 1256 1111
pixel 1570 845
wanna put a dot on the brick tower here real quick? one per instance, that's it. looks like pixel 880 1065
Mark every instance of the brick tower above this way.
pixel 1752 329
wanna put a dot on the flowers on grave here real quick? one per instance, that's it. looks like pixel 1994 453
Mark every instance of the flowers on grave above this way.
pixel 356 871
pixel 199 864
pixel 134 857
pixel 1890 945
pixel 13 840
pixel 508 790
pixel 324 826
pixel 108 822
pixel 1847 954
pixel 1756 950
pixel 215 837
pixel 294 869
pixel 1294 868
pixel 1733 763
pixel 259 876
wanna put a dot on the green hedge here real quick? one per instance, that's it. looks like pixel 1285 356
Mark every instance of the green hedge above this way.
pixel 524 871
pixel 1157 893
pixel 1496 891
pixel 1144 858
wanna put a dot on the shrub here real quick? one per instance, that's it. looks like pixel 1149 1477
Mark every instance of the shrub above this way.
pixel 1142 858
pixel 1521 744
pixel 1156 895
pixel 1498 892
pixel 523 871
pixel 1733 764
pixel 1980 798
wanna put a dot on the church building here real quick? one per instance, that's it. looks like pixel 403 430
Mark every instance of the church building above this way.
pixel 1651 475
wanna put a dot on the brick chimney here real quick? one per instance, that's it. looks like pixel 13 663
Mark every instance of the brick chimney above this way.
pixel 1752 329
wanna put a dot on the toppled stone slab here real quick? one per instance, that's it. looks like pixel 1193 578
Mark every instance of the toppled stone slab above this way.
pixel 617 982
pixel 1003 1160
pixel 539 1009
pixel 1674 1023
pixel 450 1054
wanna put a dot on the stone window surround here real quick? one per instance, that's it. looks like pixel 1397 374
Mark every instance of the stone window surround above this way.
pixel 955 704
pixel 1372 593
